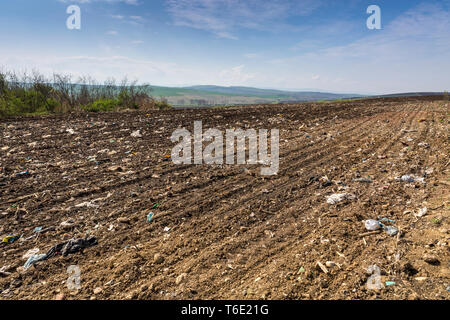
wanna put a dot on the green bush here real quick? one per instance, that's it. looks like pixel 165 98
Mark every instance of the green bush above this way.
pixel 22 94
pixel 162 104
pixel 102 105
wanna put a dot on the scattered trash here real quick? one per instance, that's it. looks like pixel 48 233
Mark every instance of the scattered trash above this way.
pixel 30 253
pixel 339 197
pixel 364 180
pixel 150 217
pixel 88 204
pixel 156 205
pixel 407 178
pixel 301 270
pixel 421 212
pixel 23 173
pixel 392 231
pixel 136 134
pixel 387 220
pixel 70 131
pixel 412 178
pixel 33 259
pixel 71 246
pixel 166 229
pixel 10 239
pixel 390 283
pixel 37 229
pixel 372 225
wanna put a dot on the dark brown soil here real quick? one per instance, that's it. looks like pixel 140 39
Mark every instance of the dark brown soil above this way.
pixel 234 234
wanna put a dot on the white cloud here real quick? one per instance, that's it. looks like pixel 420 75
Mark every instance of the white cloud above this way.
pixel 409 54
pixel 235 75
pixel 222 17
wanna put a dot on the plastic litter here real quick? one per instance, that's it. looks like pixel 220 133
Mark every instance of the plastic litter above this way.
pixel 372 225
pixel 71 246
pixel 150 217
pixel 390 283
pixel 156 205
pixel 88 204
pixel 33 259
pixel 421 212
pixel 387 220
pixel 136 134
pixel 407 178
pixel 10 239
pixel 30 253
pixel 392 231
pixel 412 178
pixel 339 197
pixel 364 180
pixel 23 173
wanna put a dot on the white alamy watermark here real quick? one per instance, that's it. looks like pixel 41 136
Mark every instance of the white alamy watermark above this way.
pixel 374 281
pixel 74 20
pixel 74 280
pixel 374 21
pixel 213 153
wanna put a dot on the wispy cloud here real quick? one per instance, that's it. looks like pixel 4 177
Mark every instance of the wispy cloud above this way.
pixel 223 17
pixel 235 75
pixel 130 2
pixel 409 54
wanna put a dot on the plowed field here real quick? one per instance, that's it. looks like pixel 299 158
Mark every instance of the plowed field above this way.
pixel 227 232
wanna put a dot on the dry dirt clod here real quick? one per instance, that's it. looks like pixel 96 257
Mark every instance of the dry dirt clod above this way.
pixel 98 290
pixel 158 258
pixel 322 267
pixel 180 278
pixel 60 296
pixel 431 259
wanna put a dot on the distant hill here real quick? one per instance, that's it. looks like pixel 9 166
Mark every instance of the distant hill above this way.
pixel 205 95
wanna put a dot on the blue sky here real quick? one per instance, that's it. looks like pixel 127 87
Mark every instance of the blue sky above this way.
pixel 284 44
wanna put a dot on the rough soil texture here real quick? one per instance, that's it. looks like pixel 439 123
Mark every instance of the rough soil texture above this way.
pixel 234 234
